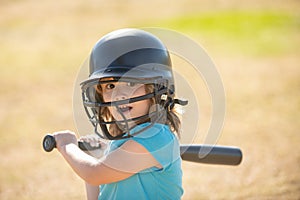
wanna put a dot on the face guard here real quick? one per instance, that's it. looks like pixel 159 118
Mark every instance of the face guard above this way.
pixel 95 107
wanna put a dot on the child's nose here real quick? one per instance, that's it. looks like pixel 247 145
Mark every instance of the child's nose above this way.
pixel 120 97
pixel 121 92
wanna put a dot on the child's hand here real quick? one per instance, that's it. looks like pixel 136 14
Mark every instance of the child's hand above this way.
pixel 94 141
pixel 64 138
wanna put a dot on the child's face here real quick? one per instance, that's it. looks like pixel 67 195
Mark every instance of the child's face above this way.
pixel 116 91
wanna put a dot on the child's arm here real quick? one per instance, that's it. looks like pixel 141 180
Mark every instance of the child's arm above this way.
pixel 118 165
pixel 92 192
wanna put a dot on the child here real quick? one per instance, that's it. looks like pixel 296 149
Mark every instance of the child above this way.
pixel 129 95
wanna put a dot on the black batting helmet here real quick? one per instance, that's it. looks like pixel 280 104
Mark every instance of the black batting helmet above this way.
pixel 128 55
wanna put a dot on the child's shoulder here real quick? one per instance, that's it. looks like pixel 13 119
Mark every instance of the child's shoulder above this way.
pixel 151 130
pixel 158 135
pixel 153 135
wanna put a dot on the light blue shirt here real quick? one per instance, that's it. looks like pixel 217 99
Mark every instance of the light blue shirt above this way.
pixel 152 183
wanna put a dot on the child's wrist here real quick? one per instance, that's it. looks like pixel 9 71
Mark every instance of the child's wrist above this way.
pixel 65 148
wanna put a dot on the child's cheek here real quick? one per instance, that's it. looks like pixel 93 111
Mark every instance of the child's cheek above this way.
pixel 106 97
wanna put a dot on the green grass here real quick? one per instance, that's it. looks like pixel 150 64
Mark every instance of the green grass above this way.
pixel 259 33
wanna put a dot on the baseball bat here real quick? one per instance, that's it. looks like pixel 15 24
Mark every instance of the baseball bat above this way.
pixel 206 154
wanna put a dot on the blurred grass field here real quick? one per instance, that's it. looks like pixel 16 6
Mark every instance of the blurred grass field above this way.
pixel 255 45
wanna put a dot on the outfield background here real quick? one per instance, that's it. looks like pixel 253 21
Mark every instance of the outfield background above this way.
pixel 254 44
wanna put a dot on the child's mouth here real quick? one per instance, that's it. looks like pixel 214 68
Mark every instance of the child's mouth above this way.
pixel 124 108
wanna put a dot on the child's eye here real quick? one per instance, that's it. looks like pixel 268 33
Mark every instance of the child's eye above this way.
pixel 131 84
pixel 110 86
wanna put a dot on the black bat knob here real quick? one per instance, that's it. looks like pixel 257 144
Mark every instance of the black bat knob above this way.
pixel 49 143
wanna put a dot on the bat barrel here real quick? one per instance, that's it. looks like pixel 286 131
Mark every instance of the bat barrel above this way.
pixel 209 154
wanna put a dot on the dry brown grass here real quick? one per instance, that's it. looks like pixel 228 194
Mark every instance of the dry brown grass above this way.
pixel 42 46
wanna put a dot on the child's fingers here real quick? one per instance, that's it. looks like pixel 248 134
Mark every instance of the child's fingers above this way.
pixel 92 140
pixel 63 138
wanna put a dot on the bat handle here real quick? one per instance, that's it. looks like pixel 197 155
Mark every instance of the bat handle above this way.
pixel 49 144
